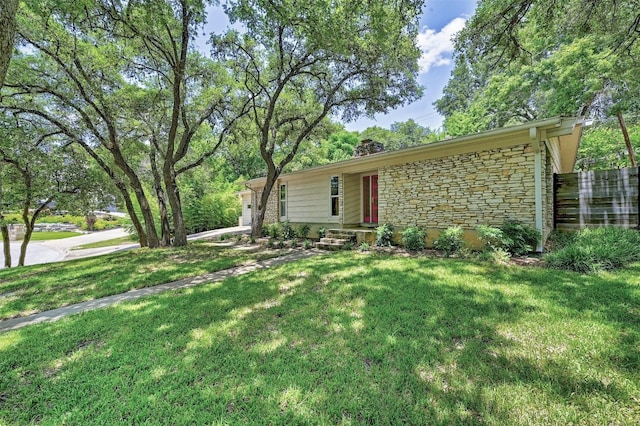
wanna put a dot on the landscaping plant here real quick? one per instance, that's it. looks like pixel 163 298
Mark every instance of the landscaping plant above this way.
pixel 303 230
pixel 449 240
pixel 518 238
pixel 384 235
pixel 413 238
pixel 593 250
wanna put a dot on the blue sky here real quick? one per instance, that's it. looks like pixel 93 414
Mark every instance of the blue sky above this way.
pixel 440 20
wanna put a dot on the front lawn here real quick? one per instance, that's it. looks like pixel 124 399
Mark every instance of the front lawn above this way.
pixel 33 289
pixel 342 339
pixel 53 235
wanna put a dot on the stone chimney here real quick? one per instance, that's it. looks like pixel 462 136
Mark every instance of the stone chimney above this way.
pixel 367 147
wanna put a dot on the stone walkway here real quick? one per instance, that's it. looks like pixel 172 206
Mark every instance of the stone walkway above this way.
pixel 56 314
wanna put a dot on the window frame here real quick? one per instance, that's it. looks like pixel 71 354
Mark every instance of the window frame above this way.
pixel 282 201
pixel 335 196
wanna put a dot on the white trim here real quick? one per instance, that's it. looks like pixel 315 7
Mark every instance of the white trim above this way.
pixel 280 200
pixel 331 197
pixel 539 212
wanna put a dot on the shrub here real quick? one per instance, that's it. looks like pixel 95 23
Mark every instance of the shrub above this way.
pixel 322 232
pixel 270 244
pixel 281 244
pixel 293 243
pixel 384 235
pixel 450 240
pixel 306 244
pixel 274 230
pixel 349 245
pixel 413 238
pixel 364 246
pixel 492 238
pixel 593 250
pixel 303 230
pixel 287 230
pixel 498 256
pixel 520 239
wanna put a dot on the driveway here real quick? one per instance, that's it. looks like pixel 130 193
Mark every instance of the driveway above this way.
pixel 58 250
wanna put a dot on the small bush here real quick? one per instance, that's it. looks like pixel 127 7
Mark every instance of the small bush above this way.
pixel 560 239
pixel 322 232
pixel 274 230
pixel 364 246
pixel 306 244
pixel 413 238
pixel 498 256
pixel 287 230
pixel 270 244
pixel 349 245
pixel 303 230
pixel 520 239
pixel 281 244
pixel 492 238
pixel 384 235
pixel 450 240
pixel 593 250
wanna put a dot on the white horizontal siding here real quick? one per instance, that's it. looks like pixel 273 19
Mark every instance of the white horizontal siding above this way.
pixel 308 200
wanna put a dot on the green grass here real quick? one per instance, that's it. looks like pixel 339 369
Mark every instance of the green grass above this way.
pixel 53 235
pixel 38 288
pixel 342 339
pixel 106 243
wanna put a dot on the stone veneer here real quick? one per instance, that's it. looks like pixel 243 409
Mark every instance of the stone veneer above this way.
pixel 470 189
pixel 271 214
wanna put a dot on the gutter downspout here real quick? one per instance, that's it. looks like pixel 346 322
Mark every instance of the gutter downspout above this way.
pixel 539 212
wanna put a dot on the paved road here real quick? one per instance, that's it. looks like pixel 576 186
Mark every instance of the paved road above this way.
pixel 58 250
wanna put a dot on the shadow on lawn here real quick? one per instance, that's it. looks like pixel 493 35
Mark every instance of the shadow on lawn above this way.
pixel 361 339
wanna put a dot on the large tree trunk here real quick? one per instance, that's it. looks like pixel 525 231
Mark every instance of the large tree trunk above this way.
pixel 258 220
pixel 147 215
pixel 173 195
pixel 8 9
pixel 6 244
pixel 142 236
pixel 165 236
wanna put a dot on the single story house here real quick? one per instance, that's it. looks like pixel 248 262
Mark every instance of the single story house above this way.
pixel 480 179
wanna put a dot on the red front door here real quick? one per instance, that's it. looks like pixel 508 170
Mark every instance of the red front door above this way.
pixel 370 199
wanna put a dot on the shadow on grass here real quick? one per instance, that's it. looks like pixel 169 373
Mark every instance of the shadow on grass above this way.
pixel 335 339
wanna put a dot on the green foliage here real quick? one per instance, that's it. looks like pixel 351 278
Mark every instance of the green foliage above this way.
pixel 349 245
pixel 413 238
pixel 364 246
pixel 593 250
pixel 519 239
pixel 322 232
pixel 306 244
pixel 274 230
pixel 281 244
pixel 287 230
pixel 602 146
pixel 303 230
pixel 450 240
pixel 384 235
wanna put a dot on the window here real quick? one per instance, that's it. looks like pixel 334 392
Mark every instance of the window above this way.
pixel 335 198
pixel 283 200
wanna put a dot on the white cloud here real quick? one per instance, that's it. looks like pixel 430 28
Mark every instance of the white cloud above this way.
pixel 437 46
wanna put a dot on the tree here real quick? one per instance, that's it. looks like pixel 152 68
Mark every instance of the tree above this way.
pixel 519 60
pixel 122 81
pixel 300 61
pixel 40 168
pixel 8 9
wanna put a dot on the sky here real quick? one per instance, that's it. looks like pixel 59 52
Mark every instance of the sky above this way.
pixel 440 21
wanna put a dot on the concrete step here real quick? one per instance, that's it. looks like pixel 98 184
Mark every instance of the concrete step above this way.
pixel 331 240
pixel 329 246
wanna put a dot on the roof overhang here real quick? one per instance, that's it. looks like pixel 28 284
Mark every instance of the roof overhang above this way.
pixel 566 130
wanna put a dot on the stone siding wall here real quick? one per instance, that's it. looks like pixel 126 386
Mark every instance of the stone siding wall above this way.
pixel 271 214
pixel 476 188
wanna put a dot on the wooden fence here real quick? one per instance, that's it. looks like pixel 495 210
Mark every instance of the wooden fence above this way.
pixel 597 198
